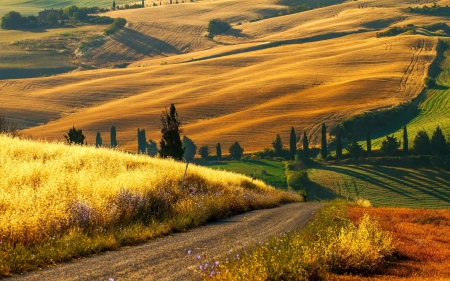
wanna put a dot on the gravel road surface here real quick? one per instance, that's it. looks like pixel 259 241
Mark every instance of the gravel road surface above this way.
pixel 167 258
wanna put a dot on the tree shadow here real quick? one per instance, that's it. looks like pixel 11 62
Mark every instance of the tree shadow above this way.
pixel 143 44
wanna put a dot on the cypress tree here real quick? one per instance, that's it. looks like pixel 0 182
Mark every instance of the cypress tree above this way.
pixel 338 144
pixel 438 143
pixel 218 151
pixel 113 137
pixel 293 144
pixel 114 5
pixel 369 143
pixel 405 141
pixel 324 142
pixel 277 145
pixel 142 141
pixel 190 149
pixel 422 143
pixel 170 144
pixel 98 140
pixel 305 146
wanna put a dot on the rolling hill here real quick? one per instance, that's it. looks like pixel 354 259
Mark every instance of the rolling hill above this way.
pixel 259 79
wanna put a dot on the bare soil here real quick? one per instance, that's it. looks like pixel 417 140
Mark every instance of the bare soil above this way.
pixel 168 259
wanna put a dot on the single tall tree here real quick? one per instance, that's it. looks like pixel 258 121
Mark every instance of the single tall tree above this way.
pixel 293 144
pixel 142 141
pixel 438 143
pixel 204 152
pixel 170 144
pixel 190 149
pixel 369 144
pixel 305 146
pixel 338 144
pixel 113 137
pixel 218 151
pixel 75 136
pixel 277 145
pixel 405 140
pixel 422 143
pixel 236 151
pixel 98 140
pixel 324 142
pixel 152 148
pixel 114 5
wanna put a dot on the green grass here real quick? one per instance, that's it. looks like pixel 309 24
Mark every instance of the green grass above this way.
pixel 274 175
pixel 433 111
pixel 383 185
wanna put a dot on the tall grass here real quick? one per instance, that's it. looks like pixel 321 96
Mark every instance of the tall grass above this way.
pixel 330 244
pixel 53 195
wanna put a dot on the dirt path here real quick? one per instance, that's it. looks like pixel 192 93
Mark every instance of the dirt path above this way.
pixel 167 258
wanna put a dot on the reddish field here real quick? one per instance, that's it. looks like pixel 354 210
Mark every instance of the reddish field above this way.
pixel 422 240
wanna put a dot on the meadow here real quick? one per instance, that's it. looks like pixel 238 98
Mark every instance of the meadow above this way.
pixel 273 174
pixel 433 109
pixel 382 185
pixel 61 202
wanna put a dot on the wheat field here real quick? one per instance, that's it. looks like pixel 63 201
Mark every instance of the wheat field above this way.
pixel 299 70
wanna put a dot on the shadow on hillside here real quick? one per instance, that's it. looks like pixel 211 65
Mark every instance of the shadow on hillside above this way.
pixel 143 44
pixel 317 192
pixel 432 183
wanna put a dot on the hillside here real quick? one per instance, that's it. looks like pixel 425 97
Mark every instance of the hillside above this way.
pixel 258 80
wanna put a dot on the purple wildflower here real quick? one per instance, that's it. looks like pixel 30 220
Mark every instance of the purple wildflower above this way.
pixel 199 257
pixel 189 252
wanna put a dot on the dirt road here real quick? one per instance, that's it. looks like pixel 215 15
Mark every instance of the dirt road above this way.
pixel 168 259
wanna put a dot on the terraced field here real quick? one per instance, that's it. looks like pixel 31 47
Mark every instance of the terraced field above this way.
pixel 384 185
pixel 258 80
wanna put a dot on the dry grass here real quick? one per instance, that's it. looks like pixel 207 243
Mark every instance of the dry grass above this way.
pixel 421 241
pixel 230 92
pixel 52 192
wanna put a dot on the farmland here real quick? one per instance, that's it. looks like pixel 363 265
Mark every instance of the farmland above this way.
pixel 384 185
pixel 279 70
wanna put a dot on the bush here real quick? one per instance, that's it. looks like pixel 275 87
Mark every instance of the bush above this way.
pixel 298 180
pixel 118 24
pixel 218 26
pixel 361 248
pixel 14 20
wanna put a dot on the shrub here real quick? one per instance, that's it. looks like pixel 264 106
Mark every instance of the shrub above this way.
pixel 390 145
pixel 298 179
pixel 118 24
pixel 360 248
pixel 218 26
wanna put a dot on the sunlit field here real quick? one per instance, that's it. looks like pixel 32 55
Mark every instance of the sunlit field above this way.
pixel 421 241
pixel 51 191
pixel 260 79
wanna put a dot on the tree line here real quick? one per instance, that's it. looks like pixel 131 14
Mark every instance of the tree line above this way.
pixel 171 145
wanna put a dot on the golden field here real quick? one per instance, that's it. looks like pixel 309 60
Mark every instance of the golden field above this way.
pixel 48 188
pixel 265 76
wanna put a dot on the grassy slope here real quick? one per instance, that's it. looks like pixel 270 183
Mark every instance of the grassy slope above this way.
pixel 434 110
pixel 274 175
pixel 385 186
pixel 61 202
pixel 276 85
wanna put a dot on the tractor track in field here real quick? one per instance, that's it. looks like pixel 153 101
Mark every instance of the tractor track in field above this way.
pixel 167 258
